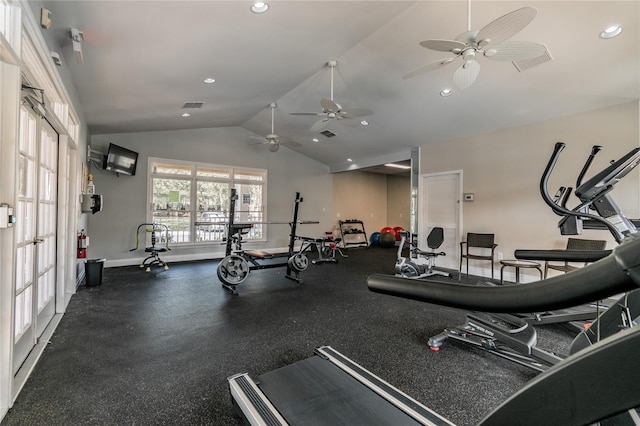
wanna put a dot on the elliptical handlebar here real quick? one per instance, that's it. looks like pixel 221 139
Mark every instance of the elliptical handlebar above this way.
pixel 617 273
pixel 561 209
pixel 594 151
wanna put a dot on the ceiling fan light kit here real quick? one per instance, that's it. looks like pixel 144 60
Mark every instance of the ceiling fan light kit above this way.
pixel 492 42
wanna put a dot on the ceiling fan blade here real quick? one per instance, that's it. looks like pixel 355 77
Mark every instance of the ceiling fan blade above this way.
pixel 329 106
pixel 515 51
pixel 505 27
pixel 319 125
pixel 349 121
pixel 357 112
pixel 256 137
pixel 466 74
pixel 306 113
pixel 429 67
pixel 443 45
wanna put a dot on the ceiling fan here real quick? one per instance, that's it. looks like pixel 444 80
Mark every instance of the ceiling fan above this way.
pixel 272 139
pixel 333 111
pixel 491 42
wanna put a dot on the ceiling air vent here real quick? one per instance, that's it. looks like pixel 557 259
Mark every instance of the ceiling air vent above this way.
pixel 525 64
pixel 192 105
pixel 327 133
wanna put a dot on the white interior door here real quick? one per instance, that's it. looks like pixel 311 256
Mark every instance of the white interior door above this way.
pixel 35 282
pixel 439 202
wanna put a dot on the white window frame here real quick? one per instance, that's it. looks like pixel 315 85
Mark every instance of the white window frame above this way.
pixel 194 178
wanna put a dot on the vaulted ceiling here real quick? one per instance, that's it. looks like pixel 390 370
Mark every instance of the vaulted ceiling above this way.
pixel 143 60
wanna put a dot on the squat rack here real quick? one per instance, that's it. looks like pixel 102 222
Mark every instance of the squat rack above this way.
pixel 238 262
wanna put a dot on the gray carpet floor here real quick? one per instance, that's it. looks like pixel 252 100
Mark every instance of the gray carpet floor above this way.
pixel 156 348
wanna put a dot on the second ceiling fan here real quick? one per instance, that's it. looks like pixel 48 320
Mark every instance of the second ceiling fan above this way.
pixel 492 42
pixel 333 111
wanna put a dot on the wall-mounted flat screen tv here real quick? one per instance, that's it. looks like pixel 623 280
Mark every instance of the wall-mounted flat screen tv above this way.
pixel 120 160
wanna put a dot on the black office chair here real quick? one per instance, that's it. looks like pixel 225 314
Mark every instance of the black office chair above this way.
pixel 475 248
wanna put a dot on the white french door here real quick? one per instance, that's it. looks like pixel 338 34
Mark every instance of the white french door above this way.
pixel 35 283
pixel 440 206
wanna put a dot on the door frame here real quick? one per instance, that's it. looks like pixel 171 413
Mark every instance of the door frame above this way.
pixel 423 222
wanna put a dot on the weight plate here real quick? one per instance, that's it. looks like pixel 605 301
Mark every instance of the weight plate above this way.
pixel 233 270
pixel 298 262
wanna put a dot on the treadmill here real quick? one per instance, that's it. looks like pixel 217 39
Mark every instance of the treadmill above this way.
pixel 326 389
pixel 596 383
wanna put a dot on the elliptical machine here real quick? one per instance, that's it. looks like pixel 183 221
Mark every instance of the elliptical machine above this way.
pixel 511 336
pixel 420 263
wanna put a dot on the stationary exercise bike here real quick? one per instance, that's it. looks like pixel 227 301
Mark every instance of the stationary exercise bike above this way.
pixel 423 264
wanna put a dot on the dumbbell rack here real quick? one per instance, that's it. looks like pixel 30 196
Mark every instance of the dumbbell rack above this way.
pixel 353 233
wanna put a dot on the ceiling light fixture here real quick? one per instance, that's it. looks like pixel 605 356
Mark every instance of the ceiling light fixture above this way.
pixel 186 114
pixel 611 32
pixel 315 139
pixel 349 160
pixel 259 7
pixel 209 80
pixel 446 92
pixel 397 166
pixel 364 122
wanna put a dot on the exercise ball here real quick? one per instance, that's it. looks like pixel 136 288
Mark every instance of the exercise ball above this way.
pixel 387 239
pixel 397 230
pixel 375 239
pixel 386 229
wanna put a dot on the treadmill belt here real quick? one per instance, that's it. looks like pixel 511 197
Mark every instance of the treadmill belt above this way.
pixel 316 392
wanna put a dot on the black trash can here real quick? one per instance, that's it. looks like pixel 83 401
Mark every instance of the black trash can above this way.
pixel 93 272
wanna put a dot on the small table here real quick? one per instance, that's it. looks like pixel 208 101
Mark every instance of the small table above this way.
pixel 515 263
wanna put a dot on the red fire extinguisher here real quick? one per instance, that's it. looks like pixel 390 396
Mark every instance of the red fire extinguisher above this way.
pixel 82 245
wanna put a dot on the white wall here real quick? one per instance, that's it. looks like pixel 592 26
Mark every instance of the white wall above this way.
pixel 503 170
pixel 112 231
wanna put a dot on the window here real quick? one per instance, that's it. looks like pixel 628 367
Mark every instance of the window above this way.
pixel 192 200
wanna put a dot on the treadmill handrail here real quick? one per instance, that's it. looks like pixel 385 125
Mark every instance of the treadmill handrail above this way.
pixel 617 273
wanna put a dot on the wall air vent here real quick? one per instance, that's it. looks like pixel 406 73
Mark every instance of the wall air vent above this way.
pixel 525 64
pixel 327 133
pixel 192 105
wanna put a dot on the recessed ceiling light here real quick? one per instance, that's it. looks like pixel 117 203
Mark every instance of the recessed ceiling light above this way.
pixel 209 80
pixel 611 32
pixel 364 122
pixel 446 92
pixel 315 139
pixel 349 160
pixel 186 114
pixel 259 7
